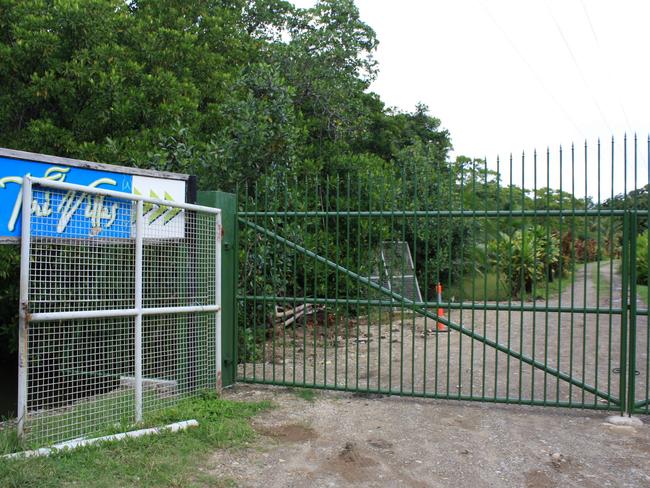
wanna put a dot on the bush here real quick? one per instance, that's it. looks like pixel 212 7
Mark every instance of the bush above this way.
pixel 483 287
pixel 9 290
pixel 526 257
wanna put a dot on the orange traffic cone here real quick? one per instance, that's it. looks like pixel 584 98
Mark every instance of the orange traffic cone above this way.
pixel 440 327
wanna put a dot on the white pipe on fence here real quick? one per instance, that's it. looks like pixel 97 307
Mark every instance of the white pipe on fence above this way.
pixel 46 451
pixel 23 307
pixel 139 235
pixel 119 312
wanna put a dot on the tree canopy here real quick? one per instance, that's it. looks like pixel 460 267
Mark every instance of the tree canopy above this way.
pixel 225 89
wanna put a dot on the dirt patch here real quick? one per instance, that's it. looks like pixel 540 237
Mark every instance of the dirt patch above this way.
pixel 380 444
pixel 350 454
pixel 538 479
pixel 288 433
pixel 560 462
pixel 351 463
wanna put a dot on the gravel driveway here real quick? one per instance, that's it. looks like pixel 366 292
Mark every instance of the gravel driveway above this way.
pixel 356 439
pixel 343 439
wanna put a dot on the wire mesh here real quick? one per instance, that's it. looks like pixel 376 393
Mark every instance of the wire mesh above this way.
pixel 76 378
pixel 399 269
pixel 82 373
pixel 178 357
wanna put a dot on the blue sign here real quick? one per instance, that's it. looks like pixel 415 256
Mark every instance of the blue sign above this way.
pixel 60 213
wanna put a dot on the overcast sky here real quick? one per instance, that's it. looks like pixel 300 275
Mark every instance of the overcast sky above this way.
pixel 511 75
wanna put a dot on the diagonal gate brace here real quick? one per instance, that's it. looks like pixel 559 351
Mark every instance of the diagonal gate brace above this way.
pixel 423 311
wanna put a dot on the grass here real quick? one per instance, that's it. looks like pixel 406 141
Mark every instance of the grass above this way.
pixel 603 290
pixel 487 287
pixel 101 414
pixel 307 394
pixel 165 460
pixel 482 288
pixel 556 286
pixel 490 288
pixel 601 282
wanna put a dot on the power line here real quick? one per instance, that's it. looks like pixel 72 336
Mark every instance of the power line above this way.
pixel 577 65
pixel 591 25
pixel 609 78
pixel 531 68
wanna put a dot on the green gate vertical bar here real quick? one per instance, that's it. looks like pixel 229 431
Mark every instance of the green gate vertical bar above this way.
pixel 624 315
pixel 633 298
pixel 647 297
pixel 584 282
pixel 325 279
pixel 461 278
pixel 414 263
pixel 474 268
pixel 425 295
pixel 632 316
pixel 611 281
pixel 227 202
pixel 547 225
pixel 483 356
pixel 368 307
pixel 598 273
pixel 559 297
pixel 534 227
pixel 337 311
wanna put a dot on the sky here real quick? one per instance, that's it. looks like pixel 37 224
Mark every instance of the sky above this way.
pixel 507 76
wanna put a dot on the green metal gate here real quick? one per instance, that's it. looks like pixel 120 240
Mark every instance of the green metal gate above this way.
pixel 338 281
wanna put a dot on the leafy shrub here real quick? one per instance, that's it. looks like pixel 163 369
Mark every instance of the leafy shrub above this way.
pixel 576 249
pixel 250 347
pixel 526 257
pixel 9 282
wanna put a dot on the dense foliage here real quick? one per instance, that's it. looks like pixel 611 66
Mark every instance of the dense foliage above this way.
pixel 225 89
pixel 273 100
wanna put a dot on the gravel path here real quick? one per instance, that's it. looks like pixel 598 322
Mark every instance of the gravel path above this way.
pixel 342 439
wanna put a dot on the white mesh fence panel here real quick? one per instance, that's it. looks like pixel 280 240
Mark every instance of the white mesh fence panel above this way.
pixel 399 271
pixel 112 334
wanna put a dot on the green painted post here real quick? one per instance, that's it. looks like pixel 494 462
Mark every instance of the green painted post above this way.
pixel 624 316
pixel 631 374
pixel 227 202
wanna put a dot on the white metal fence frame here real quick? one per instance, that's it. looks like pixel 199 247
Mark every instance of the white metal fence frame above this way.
pixel 138 311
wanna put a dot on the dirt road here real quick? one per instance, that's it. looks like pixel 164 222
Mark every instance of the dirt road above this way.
pixel 340 439
pixel 348 439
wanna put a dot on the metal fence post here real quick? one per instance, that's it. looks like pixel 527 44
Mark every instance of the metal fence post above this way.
pixel 23 312
pixel 139 231
pixel 227 203
pixel 631 370
pixel 623 367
